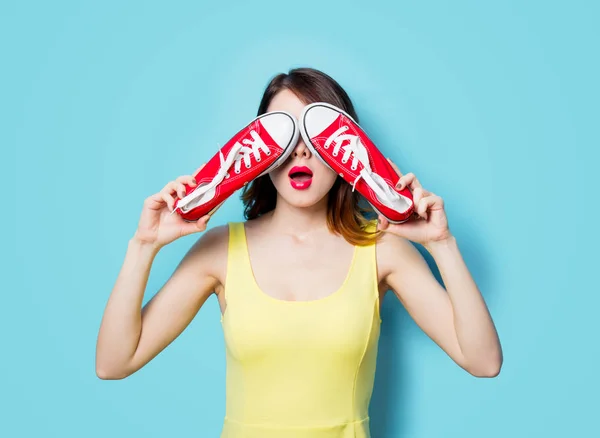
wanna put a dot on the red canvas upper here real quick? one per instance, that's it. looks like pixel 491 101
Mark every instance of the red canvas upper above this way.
pixel 379 164
pixel 234 181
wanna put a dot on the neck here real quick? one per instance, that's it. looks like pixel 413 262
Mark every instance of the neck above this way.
pixel 299 221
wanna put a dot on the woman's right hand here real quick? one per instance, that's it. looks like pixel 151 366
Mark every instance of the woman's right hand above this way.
pixel 157 226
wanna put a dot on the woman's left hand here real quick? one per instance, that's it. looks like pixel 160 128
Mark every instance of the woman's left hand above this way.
pixel 429 223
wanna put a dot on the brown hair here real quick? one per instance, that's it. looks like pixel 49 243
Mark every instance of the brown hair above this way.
pixel 347 211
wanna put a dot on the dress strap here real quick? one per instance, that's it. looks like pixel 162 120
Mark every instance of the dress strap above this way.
pixel 236 239
pixel 239 272
pixel 365 272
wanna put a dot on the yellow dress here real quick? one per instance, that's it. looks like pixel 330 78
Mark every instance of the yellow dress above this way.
pixel 299 369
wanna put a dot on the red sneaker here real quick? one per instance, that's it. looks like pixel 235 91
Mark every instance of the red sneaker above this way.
pixel 334 137
pixel 258 148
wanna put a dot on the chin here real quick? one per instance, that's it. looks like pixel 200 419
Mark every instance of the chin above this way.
pixel 309 197
pixel 302 201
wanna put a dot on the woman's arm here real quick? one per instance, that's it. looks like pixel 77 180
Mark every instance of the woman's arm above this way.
pixel 129 336
pixel 456 318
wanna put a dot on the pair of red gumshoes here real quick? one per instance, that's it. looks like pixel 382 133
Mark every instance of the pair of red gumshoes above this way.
pixel 331 134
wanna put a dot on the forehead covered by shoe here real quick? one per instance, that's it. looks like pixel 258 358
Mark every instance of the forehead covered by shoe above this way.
pixel 286 100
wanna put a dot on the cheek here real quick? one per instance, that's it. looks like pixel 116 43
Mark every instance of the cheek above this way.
pixel 326 176
pixel 276 176
pixel 329 179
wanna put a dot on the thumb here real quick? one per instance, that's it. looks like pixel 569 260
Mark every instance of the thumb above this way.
pixel 382 223
pixel 196 226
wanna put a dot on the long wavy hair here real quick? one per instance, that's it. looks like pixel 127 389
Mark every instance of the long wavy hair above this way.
pixel 348 214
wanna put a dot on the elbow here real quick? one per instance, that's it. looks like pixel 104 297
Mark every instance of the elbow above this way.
pixel 488 372
pixel 105 374
pixel 487 369
pixel 109 367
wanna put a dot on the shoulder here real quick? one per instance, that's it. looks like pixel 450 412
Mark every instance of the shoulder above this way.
pixel 395 253
pixel 255 227
pixel 209 252
pixel 215 238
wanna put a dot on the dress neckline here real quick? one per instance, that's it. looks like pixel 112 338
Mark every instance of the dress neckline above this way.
pixel 332 295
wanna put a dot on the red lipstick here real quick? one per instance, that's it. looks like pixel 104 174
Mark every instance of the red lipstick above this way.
pixel 300 177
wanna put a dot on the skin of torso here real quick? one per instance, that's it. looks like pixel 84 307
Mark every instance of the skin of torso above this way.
pixel 294 268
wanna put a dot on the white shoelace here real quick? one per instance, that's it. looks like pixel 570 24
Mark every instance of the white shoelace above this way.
pixel 238 153
pixel 357 151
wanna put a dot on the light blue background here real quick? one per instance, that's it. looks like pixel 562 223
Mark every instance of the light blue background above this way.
pixel 494 105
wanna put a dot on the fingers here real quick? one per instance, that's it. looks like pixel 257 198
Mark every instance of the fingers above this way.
pixel 196 226
pixel 169 200
pixel 418 194
pixel 186 179
pixel 180 184
pixel 158 200
pixel 428 203
pixel 422 198
pixel 176 187
pixel 154 202
pixel 382 223
pixel 409 180
pixel 167 194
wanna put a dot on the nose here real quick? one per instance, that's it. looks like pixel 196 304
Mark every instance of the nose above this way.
pixel 301 150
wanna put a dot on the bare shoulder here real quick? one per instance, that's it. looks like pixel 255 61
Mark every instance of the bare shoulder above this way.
pixel 208 255
pixel 393 253
pixel 258 224
pixel 213 238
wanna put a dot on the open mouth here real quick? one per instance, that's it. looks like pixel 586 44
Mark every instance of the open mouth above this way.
pixel 300 177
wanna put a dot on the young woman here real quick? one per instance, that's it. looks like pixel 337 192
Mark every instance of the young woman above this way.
pixel 299 286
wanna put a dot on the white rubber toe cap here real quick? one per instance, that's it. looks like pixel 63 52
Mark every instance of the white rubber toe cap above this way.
pixel 317 117
pixel 280 126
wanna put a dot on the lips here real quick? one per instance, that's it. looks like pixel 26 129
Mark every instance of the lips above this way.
pixel 300 177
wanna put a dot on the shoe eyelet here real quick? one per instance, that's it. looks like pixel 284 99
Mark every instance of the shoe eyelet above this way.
pixel 238 171
pixel 352 167
pixel 335 154
pixel 344 161
pixel 258 159
pixel 326 146
pixel 227 175
pixel 268 152
pixel 247 166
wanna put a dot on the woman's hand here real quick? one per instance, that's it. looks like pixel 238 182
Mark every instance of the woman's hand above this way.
pixel 429 223
pixel 157 226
